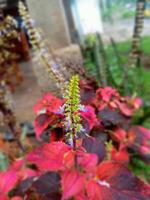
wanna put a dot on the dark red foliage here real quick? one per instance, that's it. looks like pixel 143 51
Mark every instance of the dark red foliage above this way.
pixel 44 120
pixel 46 186
pixel 122 184
pixel 94 146
pixel 87 91
pixel 141 142
pixel 110 117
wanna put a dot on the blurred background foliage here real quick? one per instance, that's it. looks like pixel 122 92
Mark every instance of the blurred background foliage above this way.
pixel 111 62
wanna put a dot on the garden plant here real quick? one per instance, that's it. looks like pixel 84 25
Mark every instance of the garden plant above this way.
pixel 88 145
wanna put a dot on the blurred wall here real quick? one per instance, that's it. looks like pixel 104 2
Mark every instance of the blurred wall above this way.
pixel 50 17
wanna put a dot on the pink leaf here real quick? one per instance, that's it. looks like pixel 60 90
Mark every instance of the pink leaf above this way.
pixel 17 165
pixel 8 180
pixel 145 132
pixel 89 115
pixel 120 134
pixel 136 102
pixel 3 197
pixel 49 157
pixel 16 198
pixel 27 173
pixel 49 103
pixel 125 109
pixel 121 156
pixel 85 161
pixel 142 141
pixel 72 184
pixel 105 94
pixel 81 196
pixel 94 191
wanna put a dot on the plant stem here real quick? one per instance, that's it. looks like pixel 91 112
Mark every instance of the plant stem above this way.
pixel 74 142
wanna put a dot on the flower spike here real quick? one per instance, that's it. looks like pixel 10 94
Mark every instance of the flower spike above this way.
pixel 72 107
pixel 40 48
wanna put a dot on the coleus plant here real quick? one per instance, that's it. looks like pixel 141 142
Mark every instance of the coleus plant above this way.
pixel 106 115
pixel 73 165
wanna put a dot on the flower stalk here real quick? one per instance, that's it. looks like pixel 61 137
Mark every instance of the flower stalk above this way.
pixel 73 119
pixel 41 49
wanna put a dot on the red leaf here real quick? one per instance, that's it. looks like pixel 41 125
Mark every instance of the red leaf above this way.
pixel 97 191
pixel 142 141
pixel 27 173
pixel 8 180
pixel 72 184
pixel 89 115
pixel 49 157
pixel 115 182
pixel 120 134
pixel 16 198
pixel 94 191
pixel 125 109
pixel 145 132
pixel 81 196
pixel 43 121
pixel 17 172
pixel 123 138
pixel 49 103
pixel 3 197
pixel 17 165
pixel 105 94
pixel 119 177
pixel 121 156
pixel 85 161
pixel 69 159
pixel 136 102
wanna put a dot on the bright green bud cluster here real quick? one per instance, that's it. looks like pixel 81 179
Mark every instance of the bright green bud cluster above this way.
pixel 73 119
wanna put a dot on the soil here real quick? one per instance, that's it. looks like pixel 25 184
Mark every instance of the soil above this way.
pixel 26 94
